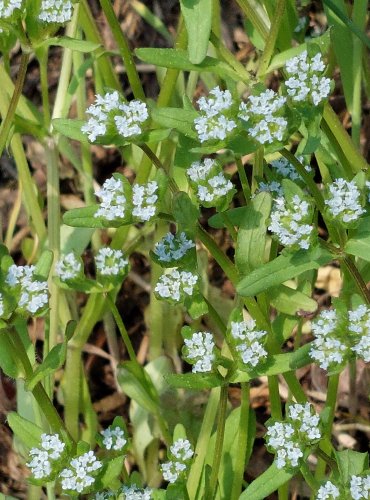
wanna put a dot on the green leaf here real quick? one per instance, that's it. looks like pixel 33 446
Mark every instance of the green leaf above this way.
pixel 279 363
pixel 84 217
pixel 198 21
pixel 53 361
pixel 359 240
pixel 178 59
pixel 136 383
pixel 251 242
pixel 176 118
pixel 111 472
pixel 265 484
pixel 26 431
pixel 281 269
pixel 71 43
pixel 301 357
pixel 70 128
pixel 10 366
pixel 351 463
pixel 290 301
pixel 42 269
pixel 186 214
pixel 235 215
pixel 197 381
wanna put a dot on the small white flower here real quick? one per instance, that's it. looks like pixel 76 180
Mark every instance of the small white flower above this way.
pixel 113 200
pixel 144 200
pixel 199 350
pixel 33 294
pixel 56 11
pixel 111 113
pixel 287 170
pixel 306 82
pixel 213 123
pixel 110 262
pixel 281 438
pixel 327 349
pixel 328 491
pixel 182 450
pixel 7 7
pixel 175 285
pixel 263 113
pixel 104 495
pixel 51 449
pixel 270 187
pixel 68 267
pixel 306 420
pixel 359 326
pixel 360 487
pixel 173 247
pixel 80 475
pixel 208 181
pixel 248 342
pixel 172 470
pixel 289 223
pixel 133 492
pixel 114 439
pixel 344 201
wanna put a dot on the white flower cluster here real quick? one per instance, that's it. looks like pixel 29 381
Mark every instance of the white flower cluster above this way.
pixel 51 449
pixel 176 285
pixel 199 351
pixel 287 170
pixel 360 487
pixel 181 452
pixel 104 495
pixel 248 342
pixel 33 294
pixel 144 199
pixel 328 491
pixel 327 349
pixel 68 267
pixel 110 262
pixel 114 438
pixel 56 11
pixel 344 201
pixel 359 327
pixel 289 224
pixel 7 7
pixel 264 114
pixel 306 81
pixel 288 439
pixel 80 475
pixel 113 200
pixel 173 247
pixel 139 202
pixel 133 492
pixel 208 181
pixel 111 114
pixel 214 122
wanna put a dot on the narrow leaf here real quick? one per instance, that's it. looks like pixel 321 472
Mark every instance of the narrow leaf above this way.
pixel 290 301
pixel 26 431
pixel 198 20
pixel 265 484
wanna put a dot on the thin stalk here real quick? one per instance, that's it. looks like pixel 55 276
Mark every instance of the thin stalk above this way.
pixel 157 162
pixel 272 37
pixel 353 161
pixel 242 442
pixel 121 328
pixel 257 167
pixel 357 278
pixel 8 120
pixel 230 58
pixel 132 74
pixel 309 477
pixel 203 443
pixel 216 317
pixel 243 179
pixel 219 441
pixel 311 184
pixel 229 225
pixel 253 15
pixel 42 56
pixel 12 222
pixel 359 19
pixel 331 402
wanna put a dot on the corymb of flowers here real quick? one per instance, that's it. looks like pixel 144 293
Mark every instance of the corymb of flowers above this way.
pixel 200 351
pixel 344 201
pixel 44 459
pixel 248 342
pixel 31 293
pixel 176 285
pixel 56 11
pixel 180 453
pixel 8 7
pixel 290 439
pixel 80 476
pixel 210 185
pixel 172 248
pixel 111 116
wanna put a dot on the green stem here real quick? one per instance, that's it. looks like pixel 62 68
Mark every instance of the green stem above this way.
pixel 257 167
pixel 157 162
pixel 311 184
pixel 8 120
pixel 253 15
pixel 357 278
pixel 216 317
pixel 230 58
pixel 42 56
pixel 271 39
pixel 219 441
pixel 242 442
pixel 121 328
pixel 132 74
pixel 243 179
pixel 308 477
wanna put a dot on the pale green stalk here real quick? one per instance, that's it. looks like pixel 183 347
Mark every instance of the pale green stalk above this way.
pixel 269 49
pixel 242 437
pixel 255 14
